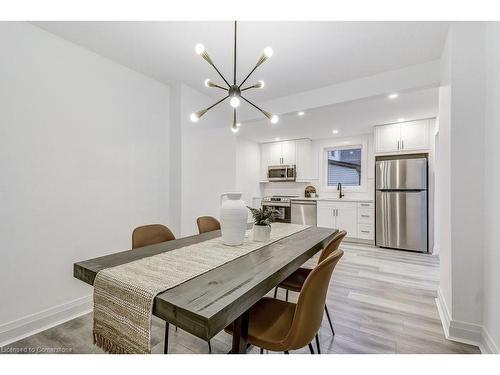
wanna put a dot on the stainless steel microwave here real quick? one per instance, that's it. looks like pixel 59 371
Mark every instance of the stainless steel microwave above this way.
pixel 281 173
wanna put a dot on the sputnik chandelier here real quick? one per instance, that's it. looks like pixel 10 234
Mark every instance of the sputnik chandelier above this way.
pixel 234 91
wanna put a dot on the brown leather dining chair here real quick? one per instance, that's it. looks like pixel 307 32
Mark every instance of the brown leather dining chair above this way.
pixel 279 325
pixel 207 224
pixel 151 234
pixel 295 281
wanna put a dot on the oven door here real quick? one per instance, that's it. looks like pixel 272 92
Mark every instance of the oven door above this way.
pixel 283 213
pixel 278 173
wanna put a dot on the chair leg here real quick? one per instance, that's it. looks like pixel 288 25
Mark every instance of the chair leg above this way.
pixel 287 295
pixel 209 347
pixel 261 351
pixel 311 348
pixel 317 344
pixel 275 292
pixel 329 320
pixel 286 352
pixel 165 341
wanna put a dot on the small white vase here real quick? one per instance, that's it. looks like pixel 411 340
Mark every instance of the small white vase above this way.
pixel 261 233
pixel 233 219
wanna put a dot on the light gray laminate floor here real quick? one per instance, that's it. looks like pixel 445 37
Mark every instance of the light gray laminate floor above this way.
pixel 381 301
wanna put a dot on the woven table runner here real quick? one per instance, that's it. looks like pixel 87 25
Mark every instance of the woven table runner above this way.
pixel 124 295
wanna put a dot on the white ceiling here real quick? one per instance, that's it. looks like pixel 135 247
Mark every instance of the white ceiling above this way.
pixel 349 118
pixel 307 55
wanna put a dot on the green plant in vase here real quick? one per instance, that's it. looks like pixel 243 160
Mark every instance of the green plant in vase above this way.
pixel 262 218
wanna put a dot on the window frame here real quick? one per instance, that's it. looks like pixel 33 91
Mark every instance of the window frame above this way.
pixel 364 164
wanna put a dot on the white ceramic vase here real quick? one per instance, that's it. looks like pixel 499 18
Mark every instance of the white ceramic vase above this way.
pixel 261 233
pixel 233 218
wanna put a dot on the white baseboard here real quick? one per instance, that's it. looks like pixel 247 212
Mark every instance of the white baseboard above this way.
pixel 40 321
pixel 464 332
pixel 444 313
pixel 488 345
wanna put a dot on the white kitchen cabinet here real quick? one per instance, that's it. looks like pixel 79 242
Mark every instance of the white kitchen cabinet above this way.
pixel 274 153
pixel 325 216
pixel 356 218
pixel 304 160
pixel 278 153
pixel 403 137
pixel 297 152
pixel 347 218
pixel 387 138
pixel 288 152
pixel 339 215
pixel 415 135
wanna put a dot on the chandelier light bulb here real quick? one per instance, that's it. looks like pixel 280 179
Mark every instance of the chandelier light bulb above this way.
pixel 207 82
pixel 260 85
pixel 235 129
pixel 238 124
pixel 194 117
pixel 268 52
pixel 274 119
pixel 235 102
pixel 199 48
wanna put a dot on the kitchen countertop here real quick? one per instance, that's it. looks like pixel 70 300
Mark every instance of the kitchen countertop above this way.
pixel 328 199
pixel 334 199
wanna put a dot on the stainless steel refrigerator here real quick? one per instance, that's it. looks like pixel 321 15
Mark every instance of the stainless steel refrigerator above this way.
pixel 401 203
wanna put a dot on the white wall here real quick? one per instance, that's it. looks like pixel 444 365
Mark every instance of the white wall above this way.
pixel 83 158
pixel 462 262
pixel 469 181
pixel 248 169
pixel 208 170
pixel 491 313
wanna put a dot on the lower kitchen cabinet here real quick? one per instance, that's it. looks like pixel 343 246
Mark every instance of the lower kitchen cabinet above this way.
pixel 356 218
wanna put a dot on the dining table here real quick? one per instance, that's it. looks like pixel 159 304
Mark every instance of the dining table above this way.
pixel 206 304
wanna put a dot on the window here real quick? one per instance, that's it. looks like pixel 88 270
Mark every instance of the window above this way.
pixel 344 166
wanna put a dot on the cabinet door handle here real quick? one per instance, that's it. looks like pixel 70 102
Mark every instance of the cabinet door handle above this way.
pixel 365 204
pixel 365 231
pixel 402 144
pixel 398 145
pixel 365 215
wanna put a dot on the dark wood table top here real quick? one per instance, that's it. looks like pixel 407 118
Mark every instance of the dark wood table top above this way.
pixel 206 304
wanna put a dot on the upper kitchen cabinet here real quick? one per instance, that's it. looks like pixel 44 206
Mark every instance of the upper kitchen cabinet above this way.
pixel 288 149
pixel 297 152
pixel 278 153
pixel 403 137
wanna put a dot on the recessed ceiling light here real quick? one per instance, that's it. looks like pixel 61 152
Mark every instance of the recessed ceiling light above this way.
pixel 277 139
pixel 346 142
pixel 301 113
pixel 335 131
pixel 401 119
pixel 393 96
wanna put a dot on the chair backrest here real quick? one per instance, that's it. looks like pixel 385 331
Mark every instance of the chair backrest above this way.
pixel 332 245
pixel 207 224
pixel 311 303
pixel 151 234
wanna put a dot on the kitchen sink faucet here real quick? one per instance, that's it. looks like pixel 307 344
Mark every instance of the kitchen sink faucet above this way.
pixel 339 188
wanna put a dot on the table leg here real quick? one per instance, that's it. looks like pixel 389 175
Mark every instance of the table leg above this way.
pixel 165 346
pixel 240 334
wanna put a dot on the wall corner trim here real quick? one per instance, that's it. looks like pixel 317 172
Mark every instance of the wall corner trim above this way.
pixel 464 332
pixel 31 324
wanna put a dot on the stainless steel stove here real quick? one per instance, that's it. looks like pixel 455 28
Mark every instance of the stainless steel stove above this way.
pixel 281 204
